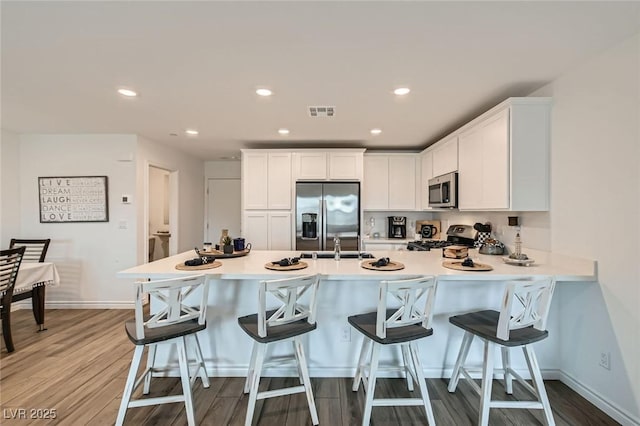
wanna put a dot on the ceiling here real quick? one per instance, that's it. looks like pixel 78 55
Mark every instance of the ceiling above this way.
pixel 198 64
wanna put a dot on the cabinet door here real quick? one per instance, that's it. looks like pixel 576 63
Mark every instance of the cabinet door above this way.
pixel 375 187
pixel 426 165
pixel 470 185
pixel 345 165
pixel 280 183
pixel 311 165
pixel 280 231
pixel 254 180
pixel 402 182
pixel 495 162
pixel 445 157
pixel 255 230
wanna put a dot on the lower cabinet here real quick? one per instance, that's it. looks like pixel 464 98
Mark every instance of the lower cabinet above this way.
pixel 267 230
pixel 383 246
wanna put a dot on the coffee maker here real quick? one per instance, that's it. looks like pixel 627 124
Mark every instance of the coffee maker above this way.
pixel 397 227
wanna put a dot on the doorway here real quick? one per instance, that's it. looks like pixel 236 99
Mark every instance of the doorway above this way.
pixel 223 208
pixel 159 214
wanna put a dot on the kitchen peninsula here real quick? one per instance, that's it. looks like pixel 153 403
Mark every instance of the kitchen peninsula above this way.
pixel 345 289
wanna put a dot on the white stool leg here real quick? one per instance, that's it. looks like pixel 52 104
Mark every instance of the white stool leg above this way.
pixel 298 363
pixel 487 382
pixel 462 356
pixel 506 365
pixel 151 359
pixel 406 358
pixel 373 370
pixel 306 380
pixel 251 370
pixel 417 365
pixel 131 380
pixel 255 382
pixel 200 360
pixel 538 383
pixel 362 362
pixel 186 380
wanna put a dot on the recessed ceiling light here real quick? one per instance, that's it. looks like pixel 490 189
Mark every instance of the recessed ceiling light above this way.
pixel 128 93
pixel 376 131
pixel 191 132
pixel 400 91
pixel 283 131
pixel 264 92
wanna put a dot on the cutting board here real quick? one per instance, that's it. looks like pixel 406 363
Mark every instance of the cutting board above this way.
pixel 436 223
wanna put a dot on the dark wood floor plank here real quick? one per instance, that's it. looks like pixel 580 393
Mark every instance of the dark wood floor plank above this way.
pixel 79 367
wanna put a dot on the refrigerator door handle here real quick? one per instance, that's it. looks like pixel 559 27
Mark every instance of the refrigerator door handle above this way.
pixel 323 206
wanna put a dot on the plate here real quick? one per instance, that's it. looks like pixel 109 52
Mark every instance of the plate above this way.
pixel 518 262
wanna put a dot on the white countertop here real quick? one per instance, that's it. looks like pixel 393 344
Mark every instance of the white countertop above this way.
pixel 564 268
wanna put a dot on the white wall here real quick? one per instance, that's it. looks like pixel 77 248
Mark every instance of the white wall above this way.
pixel 190 188
pixel 87 255
pixel 9 187
pixel 595 213
pixel 222 169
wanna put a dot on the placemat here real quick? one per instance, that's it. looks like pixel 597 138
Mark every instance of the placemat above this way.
pixel 457 265
pixel 183 267
pixel 295 266
pixel 391 266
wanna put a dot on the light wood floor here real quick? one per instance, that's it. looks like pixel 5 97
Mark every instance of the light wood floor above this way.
pixel 79 365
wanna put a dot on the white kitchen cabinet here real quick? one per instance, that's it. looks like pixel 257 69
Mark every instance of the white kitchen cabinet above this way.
pixel 369 245
pixel 426 173
pixel 445 156
pixel 341 164
pixel 504 158
pixel 389 182
pixel 267 230
pixel 266 180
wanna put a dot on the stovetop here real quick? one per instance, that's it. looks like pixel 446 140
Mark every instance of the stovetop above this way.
pixel 456 235
pixel 426 245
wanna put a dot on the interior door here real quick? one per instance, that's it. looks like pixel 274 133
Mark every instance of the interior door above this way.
pixel 223 208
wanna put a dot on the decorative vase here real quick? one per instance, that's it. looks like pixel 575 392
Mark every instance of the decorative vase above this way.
pixel 227 248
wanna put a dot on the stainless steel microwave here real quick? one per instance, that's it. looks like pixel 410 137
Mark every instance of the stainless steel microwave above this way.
pixel 443 191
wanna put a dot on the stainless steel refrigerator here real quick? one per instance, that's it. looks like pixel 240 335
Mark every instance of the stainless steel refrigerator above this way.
pixel 324 210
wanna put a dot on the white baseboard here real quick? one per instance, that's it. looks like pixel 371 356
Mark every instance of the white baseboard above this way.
pixel 610 408
pixel 75 305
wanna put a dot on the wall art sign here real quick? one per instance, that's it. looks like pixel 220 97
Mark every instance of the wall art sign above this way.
pixel 66 199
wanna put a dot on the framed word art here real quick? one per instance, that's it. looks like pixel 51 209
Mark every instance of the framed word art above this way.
pixel 66 199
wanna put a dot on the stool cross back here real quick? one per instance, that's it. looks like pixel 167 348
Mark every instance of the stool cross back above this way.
pixel 9 265
pixel 400 326
pixel 288 322
pixel 172 323
pixel 521 322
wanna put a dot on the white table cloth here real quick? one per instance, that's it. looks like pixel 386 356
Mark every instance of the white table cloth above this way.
pixel 34 273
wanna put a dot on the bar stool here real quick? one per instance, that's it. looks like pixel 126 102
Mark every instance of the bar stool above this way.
pixel 286 323
pixel 171 324
pixel 520 322
pixel 398 326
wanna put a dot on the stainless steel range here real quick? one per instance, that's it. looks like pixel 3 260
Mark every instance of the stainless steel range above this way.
pixel 462 235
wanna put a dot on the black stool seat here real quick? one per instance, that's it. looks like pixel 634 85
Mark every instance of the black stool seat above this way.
pixel 484 324
pixel 249 324
pixel 366 324
pixel 160 334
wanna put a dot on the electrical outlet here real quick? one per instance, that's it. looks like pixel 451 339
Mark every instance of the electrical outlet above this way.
pixel 345 335
pixel 605 360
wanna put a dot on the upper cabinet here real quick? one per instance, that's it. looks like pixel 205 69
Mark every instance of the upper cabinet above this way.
pixel 389 182
pixel 266 180
pixel 343 164
pixel 426 173
pixel 445 156
pixel 504 158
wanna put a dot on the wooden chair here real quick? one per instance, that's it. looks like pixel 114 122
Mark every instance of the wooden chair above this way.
pixel 172 323
pixel 286 323
pixel 520 323
pixel 35 251
pixel 400 326
pixel 9 264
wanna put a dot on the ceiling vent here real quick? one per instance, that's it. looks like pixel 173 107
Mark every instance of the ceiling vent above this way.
pixel 322 111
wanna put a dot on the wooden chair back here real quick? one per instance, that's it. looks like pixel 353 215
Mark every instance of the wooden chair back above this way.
pixel 9 264
pixel 525 303
pixel 415 297
pixel 170 295
pixel 35 250
pixel 289 291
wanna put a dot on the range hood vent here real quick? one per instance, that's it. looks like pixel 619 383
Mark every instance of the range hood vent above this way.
pixel 322 111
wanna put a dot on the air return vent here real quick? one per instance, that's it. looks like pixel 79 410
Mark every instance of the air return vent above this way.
pixel 322 111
